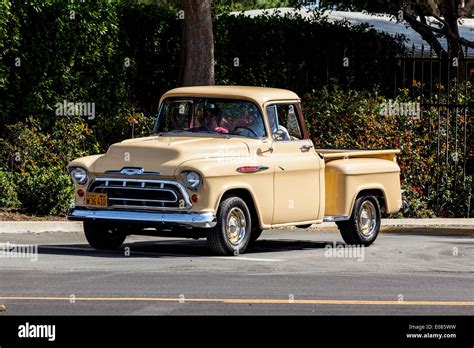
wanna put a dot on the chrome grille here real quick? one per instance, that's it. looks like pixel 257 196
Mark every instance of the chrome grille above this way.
pixel 142 194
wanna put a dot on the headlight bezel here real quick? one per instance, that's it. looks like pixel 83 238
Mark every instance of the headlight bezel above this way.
pixel 192 184
pixel 76 179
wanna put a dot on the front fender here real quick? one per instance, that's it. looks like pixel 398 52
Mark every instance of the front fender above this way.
pixel 86 162
pixel 220 176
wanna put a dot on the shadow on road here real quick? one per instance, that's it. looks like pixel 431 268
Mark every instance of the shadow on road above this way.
pixel 178 248
pixel 429 231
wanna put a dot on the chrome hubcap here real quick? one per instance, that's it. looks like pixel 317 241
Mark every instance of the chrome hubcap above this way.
pixel 367 219
pixel 236 226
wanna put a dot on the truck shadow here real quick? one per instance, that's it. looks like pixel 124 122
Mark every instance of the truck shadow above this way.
pixel 180 248
pixel 430 231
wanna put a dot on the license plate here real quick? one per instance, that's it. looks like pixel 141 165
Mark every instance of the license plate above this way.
pixel 96 199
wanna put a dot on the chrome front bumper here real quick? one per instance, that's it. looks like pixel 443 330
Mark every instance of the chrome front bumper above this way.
pixel 160 218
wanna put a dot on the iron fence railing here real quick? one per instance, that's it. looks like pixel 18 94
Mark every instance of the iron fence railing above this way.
pixel 443 86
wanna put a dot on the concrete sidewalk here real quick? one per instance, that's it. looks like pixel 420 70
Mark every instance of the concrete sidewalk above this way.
pixel 39 226
pixel 74 226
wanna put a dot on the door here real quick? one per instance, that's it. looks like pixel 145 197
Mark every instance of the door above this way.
pixel 296 181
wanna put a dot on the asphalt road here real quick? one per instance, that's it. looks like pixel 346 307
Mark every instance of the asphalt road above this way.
pixel 290 272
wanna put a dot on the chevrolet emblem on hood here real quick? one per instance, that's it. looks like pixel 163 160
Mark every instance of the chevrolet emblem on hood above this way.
pixel 132 171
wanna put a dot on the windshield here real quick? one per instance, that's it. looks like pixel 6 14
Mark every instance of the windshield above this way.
pixel 210 115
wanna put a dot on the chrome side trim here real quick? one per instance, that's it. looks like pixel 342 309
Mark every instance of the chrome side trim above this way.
pixel 336 218
pixel 189 219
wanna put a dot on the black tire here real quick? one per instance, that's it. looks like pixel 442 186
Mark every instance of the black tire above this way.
pixel 304 226
pixel 231 210
pixel 354 231
pixel 256 233
pixel 102 236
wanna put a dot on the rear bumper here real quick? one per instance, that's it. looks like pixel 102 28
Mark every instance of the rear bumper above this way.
pixel 158 218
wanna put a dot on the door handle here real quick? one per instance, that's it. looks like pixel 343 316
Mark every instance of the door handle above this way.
pixel 305 148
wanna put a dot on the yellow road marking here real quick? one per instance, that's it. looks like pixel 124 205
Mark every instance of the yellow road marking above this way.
pixel 248 301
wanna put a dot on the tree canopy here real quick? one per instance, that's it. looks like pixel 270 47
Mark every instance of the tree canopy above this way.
pixel 432 19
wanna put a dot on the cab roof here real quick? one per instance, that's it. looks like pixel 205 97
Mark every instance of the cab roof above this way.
pixel 259 95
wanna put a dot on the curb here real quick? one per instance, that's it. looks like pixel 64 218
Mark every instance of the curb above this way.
pixel 39 226
pixel 424 223
pixel 76 226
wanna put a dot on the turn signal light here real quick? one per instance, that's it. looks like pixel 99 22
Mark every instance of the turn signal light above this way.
pixel 251 169
pixel 80 193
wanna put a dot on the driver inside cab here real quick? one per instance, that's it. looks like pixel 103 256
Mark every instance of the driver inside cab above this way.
pixel 211 120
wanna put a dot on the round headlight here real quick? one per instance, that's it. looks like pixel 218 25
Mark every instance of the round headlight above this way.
pixel 192 179
pixel 79 175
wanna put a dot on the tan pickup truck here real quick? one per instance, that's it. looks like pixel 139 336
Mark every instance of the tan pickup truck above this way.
pixel 224 163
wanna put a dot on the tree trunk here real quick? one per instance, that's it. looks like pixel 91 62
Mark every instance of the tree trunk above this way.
pixel 197 49
pixel 449 10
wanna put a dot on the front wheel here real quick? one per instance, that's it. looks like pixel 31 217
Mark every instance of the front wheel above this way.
pixel 364 224
pixel 232 233
pixel 256 233
pixel 102 236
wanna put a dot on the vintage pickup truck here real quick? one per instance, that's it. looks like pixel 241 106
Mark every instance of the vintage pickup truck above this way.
pixel 224 163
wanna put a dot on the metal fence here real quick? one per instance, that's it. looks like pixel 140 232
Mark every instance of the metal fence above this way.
pixel 441 85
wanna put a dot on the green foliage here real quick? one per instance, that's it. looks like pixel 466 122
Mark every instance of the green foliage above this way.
pixel 8 194
pixel 301 53
pixel 36 181
pixel 45 190
pixel 150 37
pixel 353 119
pixel 28 145
pixel 60 51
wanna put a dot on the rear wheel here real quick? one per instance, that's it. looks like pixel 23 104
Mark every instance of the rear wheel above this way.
pixel 364 224
pixel 232 233
pixel 102 236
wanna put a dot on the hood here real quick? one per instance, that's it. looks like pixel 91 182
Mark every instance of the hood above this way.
pixel 164 154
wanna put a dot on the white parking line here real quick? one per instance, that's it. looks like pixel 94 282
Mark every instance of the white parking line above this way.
pixel 240 258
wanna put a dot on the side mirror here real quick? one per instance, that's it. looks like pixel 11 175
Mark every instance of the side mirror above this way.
pixel 279 135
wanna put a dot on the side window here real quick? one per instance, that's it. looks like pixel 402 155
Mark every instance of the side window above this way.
pixel 284 118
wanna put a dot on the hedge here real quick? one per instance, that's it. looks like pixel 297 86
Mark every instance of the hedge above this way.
pixel 351 119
